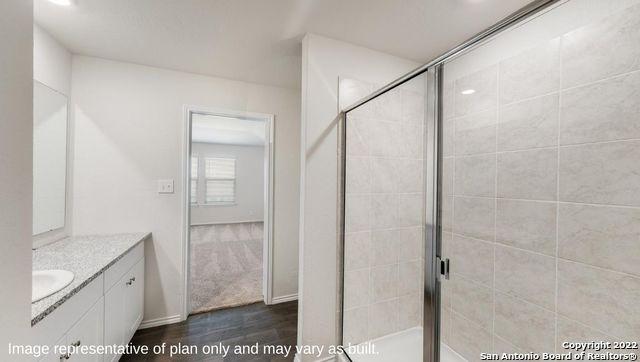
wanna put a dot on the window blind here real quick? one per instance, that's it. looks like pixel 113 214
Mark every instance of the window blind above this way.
pixel 220 180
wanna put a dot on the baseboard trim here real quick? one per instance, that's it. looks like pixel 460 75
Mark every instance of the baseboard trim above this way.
pixel 284 298
pixel 160 321
pixel 227 223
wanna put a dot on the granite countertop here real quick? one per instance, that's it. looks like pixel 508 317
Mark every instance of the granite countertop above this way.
pixel 86 257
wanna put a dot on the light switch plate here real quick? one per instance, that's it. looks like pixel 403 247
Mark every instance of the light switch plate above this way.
pixel 165 186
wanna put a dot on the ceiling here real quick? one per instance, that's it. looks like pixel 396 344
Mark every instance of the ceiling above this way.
pixel 226 130
pixel 260 40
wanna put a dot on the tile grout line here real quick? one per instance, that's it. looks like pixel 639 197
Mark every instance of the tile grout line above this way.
pixel 547 201
pixel 495 207
pixel 500 244
pixel 558 122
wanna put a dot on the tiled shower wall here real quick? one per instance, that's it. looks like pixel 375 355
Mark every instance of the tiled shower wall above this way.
pixel 383 291
pixel 541 185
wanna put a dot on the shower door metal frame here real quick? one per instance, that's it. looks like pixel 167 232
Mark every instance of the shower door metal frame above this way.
pixel 433 156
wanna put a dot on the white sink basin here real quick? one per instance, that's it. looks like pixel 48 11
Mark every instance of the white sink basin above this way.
pixel 47 282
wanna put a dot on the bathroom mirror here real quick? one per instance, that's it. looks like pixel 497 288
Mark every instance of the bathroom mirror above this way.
pixel 49 158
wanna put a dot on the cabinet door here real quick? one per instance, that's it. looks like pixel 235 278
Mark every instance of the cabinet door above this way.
pixel 134 295
pixel 53 356
pixel 88 332
pixel 114 317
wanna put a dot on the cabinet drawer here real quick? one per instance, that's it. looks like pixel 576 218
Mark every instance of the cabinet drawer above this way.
pixel 117 270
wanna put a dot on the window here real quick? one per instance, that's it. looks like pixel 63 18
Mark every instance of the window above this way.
pixel 194 179
pixel 220 180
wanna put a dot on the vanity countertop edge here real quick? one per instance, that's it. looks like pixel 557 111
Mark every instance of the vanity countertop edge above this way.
pixel 86 256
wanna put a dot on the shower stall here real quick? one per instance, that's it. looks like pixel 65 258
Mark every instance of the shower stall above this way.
pixel 491 198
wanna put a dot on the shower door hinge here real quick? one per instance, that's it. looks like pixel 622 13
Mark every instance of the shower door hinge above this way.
pixel 443 265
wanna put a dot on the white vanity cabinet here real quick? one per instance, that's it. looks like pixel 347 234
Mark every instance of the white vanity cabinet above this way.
pixel 107 311
pixel 88 331
pixel 124 301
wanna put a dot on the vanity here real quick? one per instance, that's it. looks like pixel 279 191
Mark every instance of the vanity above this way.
pixel 104 303
pixel 87 291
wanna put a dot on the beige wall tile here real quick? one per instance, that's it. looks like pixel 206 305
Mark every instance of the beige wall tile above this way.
pixel 469 339
pixel 531 73
pixel 605 173
pixel 587 51
pixel 445 324
pixel 446 212
pixel 356 288
pixel 448 136
pixel 384 211
pixel 572 331
pixel 448 168
pixel 388 106
pixel 410 311
pixel 475 175
pixel 473 301
pixel 448 98
pixel 485 84
pixel 604 236
pixel 411 140
pixel 476 133
pixel 356 325
pixel 528 175
pixel 358 175
pixel 474 217
pixel 384 247
pixel 528 225
pixel 384 283
pixel 523 324
pixel 413 106
pixel 502 346
pixel 383 175
pixel 603 111
pixel 384 138
pixel 605 300
pixel 357 136
pixel 357 250
pixel 471 258
pixel 410 210
pixel 410 242
pixel 357 213
pixel 527 275
pixel 383 318
pixel 410 278
pixel 529 124
pixel 410 176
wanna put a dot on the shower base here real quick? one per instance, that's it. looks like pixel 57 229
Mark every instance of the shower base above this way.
pixel 402 346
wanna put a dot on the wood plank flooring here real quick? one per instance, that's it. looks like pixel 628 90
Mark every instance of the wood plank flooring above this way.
pixel 246 325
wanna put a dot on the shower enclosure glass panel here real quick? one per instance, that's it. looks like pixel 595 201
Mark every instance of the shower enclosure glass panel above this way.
pixel 540 184
pixel 384 261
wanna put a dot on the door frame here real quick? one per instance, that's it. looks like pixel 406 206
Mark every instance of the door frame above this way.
pixel 269 157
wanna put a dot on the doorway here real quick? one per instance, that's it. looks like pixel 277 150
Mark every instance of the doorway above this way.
pixel 228 197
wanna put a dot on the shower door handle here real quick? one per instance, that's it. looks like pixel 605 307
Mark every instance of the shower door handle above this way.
pixel 444 267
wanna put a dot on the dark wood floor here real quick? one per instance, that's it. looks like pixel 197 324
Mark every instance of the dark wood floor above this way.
pixel 246 325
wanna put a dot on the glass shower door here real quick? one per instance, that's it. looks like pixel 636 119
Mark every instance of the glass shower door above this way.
pixel 540 184
pixel 383 295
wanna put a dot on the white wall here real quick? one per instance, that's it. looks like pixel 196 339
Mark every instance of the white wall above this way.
pixel 52 67
pixel 51 61
pixel 324 61
pixel 129 133
pixel 16 78
pixel 249 205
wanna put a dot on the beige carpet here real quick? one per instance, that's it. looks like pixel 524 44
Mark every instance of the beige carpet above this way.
pixel 226 266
